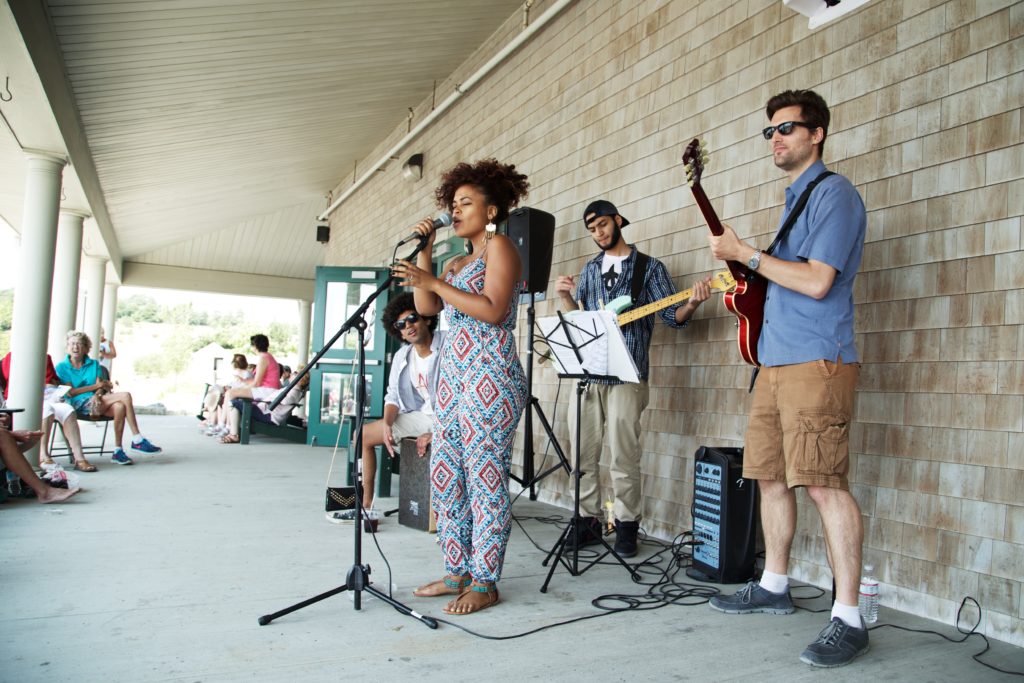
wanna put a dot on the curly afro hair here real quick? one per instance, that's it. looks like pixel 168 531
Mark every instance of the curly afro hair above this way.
pixel 500 183
pixel 396 307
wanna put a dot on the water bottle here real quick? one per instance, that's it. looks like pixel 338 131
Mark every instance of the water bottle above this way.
pixel 867 602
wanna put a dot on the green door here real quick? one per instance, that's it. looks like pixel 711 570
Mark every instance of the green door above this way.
pixel 339 292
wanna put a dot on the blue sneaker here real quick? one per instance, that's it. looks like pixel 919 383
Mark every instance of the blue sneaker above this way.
pixel 146 447
pixel 121 458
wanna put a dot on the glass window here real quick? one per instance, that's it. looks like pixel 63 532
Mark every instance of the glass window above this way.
pixel 343 298
pixel 337 396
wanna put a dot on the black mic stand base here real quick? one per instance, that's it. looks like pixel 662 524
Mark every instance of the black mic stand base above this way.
pixel 358 580
pixel 561 554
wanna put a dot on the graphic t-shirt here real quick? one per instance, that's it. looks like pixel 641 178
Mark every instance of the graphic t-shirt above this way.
pixel 611 270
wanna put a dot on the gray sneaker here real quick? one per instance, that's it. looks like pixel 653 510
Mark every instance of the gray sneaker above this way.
pixel 837 645
pixel 752 599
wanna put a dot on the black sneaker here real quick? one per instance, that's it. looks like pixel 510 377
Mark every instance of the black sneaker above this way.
pixel 625 538
pixel 752 599
pixel 838 645
pixel 589 531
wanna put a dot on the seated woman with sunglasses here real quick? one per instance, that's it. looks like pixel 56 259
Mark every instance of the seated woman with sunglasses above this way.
pixel 409 401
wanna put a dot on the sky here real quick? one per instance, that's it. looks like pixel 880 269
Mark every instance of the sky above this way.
pixel 257 309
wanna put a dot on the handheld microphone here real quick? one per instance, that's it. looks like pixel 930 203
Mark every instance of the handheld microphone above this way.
pixel 442 221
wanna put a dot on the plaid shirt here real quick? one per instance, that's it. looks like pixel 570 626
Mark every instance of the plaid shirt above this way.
pixel 657 285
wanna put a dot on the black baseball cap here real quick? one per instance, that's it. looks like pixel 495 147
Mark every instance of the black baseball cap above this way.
pixel 602 207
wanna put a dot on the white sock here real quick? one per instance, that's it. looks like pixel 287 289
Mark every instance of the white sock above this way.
pixel 137 439
pixel 849 614
pixel 774 583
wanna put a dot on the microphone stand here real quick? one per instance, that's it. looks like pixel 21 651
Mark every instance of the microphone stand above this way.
pixel 358 577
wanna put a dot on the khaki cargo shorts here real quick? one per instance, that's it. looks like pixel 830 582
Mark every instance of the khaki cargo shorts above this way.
pixel 799 426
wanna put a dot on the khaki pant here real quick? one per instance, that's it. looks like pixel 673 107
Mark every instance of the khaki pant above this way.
pixel 616 407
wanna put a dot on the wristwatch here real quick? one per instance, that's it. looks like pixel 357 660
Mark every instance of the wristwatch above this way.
pixel 755 260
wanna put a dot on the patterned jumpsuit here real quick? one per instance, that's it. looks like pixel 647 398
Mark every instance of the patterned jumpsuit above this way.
pixel 481 392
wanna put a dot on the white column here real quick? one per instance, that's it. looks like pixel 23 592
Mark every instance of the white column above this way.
pixel 305 309
pixel 94 275
pixel 110 313
pixel 66 268
pixel 32 293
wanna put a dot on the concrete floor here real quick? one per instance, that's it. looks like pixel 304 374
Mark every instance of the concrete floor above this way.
pixel 158 572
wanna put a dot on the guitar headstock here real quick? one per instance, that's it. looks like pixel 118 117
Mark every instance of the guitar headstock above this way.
pixel 694 158
pixel 723 281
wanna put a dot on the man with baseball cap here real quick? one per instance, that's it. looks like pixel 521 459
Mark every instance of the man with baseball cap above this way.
pixel 618 269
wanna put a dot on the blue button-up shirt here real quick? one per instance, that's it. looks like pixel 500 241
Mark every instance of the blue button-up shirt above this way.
pixel 798 328
pixel 657 285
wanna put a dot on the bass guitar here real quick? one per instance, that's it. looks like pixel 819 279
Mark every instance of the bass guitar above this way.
pixel 722 281
pixel 746 300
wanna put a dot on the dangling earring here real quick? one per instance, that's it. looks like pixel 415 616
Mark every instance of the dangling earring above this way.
pixel 491 228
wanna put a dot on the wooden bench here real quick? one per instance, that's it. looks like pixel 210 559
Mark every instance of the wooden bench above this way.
pixel 248 426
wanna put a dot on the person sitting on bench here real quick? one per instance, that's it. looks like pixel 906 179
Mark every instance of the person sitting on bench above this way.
pixel 412 385
pixel 53 407
pixel 92 394
pixel 278 416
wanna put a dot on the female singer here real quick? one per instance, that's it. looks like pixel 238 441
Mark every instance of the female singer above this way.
pixel 481 388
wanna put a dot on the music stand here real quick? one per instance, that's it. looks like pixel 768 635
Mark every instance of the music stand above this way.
pixel 358 577
pixel 531 477
pixel 580 343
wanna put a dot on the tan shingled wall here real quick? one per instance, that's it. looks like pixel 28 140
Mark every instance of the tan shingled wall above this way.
pixel 926 99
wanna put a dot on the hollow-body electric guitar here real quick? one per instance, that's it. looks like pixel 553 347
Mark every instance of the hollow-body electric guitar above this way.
pixel 746 301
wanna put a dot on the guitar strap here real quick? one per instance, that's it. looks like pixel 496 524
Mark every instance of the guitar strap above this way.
pixel 798 208
pixel 639 271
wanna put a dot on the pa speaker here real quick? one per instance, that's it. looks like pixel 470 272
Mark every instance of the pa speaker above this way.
pixel 533 233
pixel 724 517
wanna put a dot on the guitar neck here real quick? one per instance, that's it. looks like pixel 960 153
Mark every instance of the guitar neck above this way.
pixel 738 270
pixel 653 307
pixel 710 216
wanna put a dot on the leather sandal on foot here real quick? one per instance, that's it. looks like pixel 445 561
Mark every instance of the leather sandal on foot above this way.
pixel 449 585
pixel 47 463
pixel 464 604
pixel 230 438
pixel 84 466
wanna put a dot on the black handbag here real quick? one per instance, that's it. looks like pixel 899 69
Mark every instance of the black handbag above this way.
pixel 341 498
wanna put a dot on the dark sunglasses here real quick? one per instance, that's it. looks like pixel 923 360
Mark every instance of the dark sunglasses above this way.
pixel 785 128
pixel 407 320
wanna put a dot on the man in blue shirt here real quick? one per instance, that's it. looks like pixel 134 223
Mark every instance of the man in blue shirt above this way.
pixel 802 404
pixel 610 403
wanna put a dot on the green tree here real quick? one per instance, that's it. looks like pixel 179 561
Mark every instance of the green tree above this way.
pixel 140 308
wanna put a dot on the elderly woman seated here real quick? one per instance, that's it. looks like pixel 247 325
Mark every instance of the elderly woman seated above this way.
pixel 53 407
pixel 92 394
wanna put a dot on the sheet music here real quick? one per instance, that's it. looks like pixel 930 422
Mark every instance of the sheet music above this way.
pixel 600 342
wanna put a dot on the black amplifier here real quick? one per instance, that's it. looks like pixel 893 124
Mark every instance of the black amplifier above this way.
pixel 724 517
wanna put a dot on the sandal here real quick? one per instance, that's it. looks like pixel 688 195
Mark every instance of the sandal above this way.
pixel 229 438
pixel 464 604
pixel 48 462
pixel 84 466
pixel 449 585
